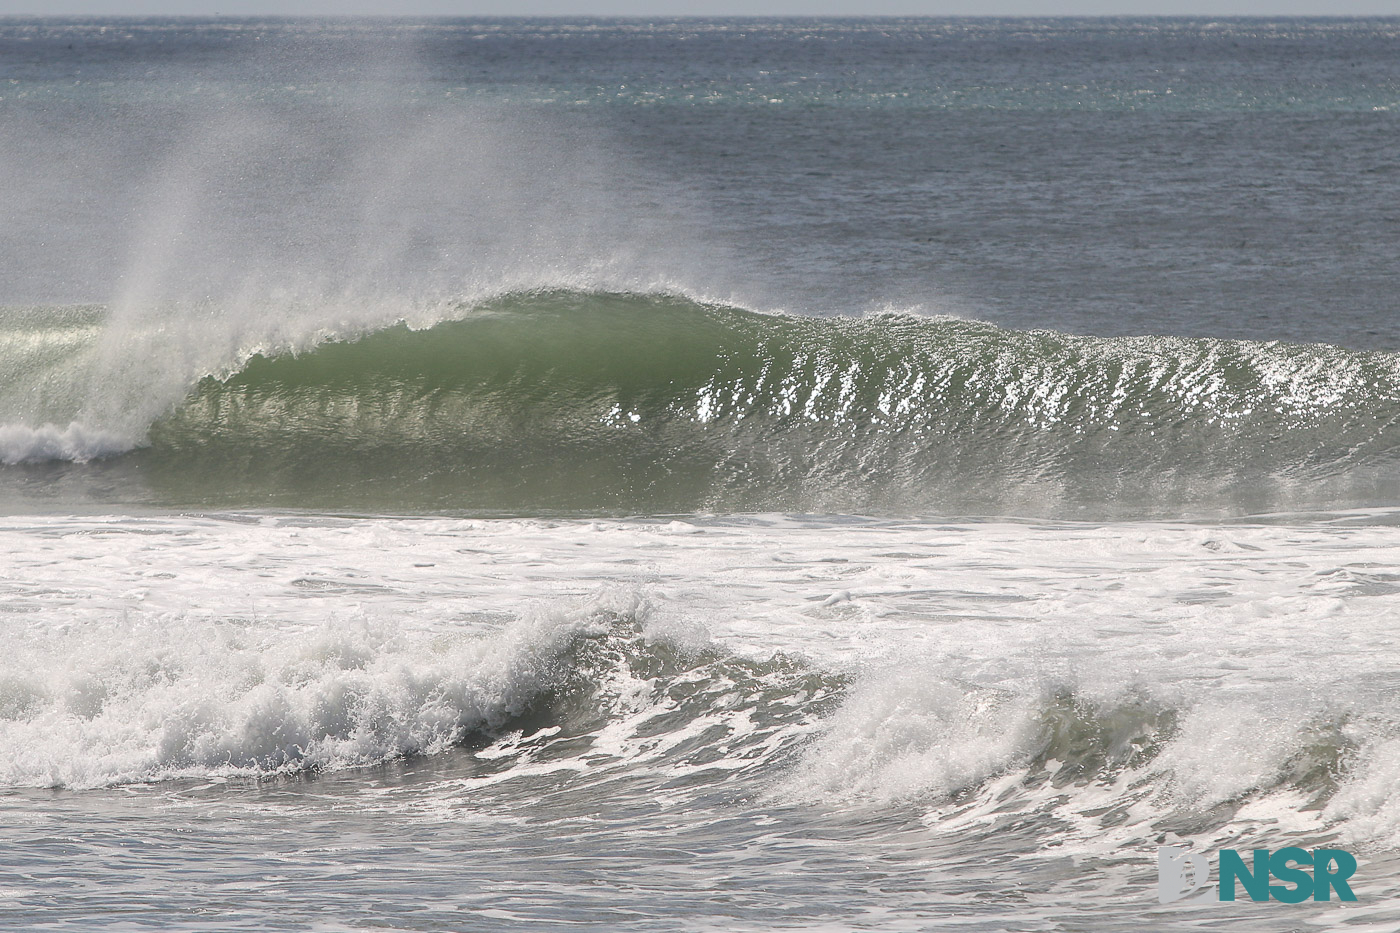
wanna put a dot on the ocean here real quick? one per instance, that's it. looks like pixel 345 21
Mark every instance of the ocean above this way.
pixel 696 474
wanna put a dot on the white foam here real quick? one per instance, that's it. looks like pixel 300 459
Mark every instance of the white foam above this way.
pixel 164 645
pixel 23 444
pixel 161 696
pixel 906 733
pixel 1369 803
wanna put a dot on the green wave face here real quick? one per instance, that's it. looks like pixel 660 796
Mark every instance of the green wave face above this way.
pixel 583 402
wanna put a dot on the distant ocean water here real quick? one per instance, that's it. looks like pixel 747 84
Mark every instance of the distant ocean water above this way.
pixel 708 474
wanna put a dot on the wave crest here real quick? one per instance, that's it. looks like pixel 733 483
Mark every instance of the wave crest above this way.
pixel 587 401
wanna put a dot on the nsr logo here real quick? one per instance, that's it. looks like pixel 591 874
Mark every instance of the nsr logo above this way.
pixel 1181 873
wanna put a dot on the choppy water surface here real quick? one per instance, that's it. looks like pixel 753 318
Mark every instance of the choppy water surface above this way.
pixel 717 475
pixel 766 722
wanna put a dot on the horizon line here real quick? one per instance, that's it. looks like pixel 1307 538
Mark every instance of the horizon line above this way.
pixel 696 16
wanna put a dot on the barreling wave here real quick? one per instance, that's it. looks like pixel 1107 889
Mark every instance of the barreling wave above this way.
pixel 580 401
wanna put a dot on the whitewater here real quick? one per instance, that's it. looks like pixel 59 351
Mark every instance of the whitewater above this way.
pixel 466 474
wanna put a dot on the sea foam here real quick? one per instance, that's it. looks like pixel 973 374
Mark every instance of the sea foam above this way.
pixel 162 697
pixel 76 442
pixel 1117 677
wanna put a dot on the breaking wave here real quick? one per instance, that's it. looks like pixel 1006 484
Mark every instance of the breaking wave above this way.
pixel 603 691
pixel 587 401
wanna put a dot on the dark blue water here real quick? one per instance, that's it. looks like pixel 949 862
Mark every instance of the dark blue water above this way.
pixel 698 474
pixel 1231 178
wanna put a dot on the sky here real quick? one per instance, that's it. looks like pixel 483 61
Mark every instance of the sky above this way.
pixel 655 8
